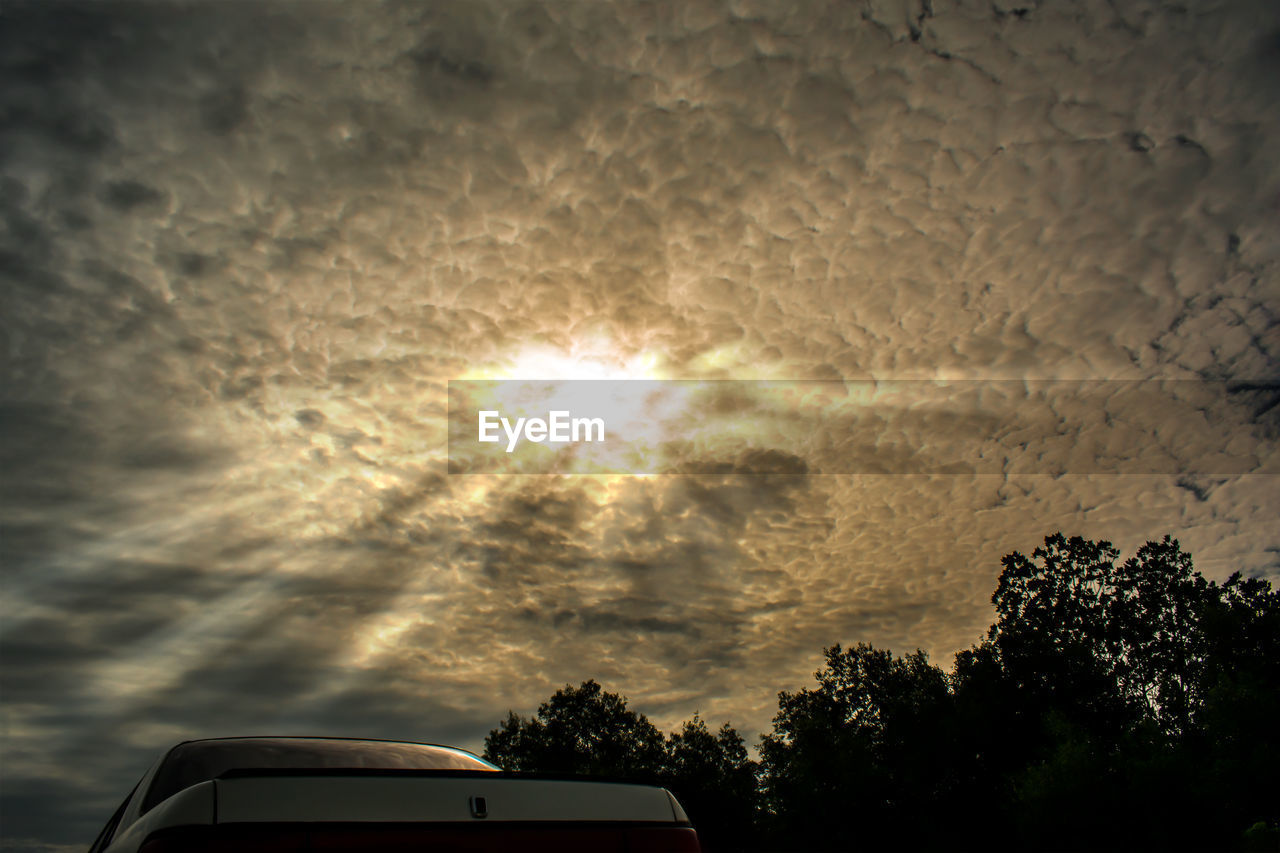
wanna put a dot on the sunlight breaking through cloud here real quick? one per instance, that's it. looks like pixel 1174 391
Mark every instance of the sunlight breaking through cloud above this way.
pixel 243 256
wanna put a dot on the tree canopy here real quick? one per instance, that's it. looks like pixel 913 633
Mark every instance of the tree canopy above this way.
pixel 1126 705
pixel 587 730
pixel 584 730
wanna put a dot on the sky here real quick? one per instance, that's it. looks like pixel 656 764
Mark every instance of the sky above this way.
pixel 245 248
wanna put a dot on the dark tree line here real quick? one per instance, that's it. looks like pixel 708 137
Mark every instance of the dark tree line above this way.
pixel 589 731
pixel 1113 705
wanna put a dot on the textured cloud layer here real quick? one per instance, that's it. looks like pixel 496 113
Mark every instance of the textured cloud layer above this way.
pixel 245 247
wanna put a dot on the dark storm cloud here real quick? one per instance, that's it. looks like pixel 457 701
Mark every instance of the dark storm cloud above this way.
pixel 655 573
pixel 120 604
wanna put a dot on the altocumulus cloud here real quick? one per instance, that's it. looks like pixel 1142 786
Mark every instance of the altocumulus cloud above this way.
pixel 246 246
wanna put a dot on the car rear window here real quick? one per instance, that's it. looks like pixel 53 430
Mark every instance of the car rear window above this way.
pixel 198 761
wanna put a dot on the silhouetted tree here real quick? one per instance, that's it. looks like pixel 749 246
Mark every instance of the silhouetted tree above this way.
pixel 856 761
pixel 1109 645
pixel 589 731
pixel 1236 745
pixel 583 730
pixel 1112 706
pixel 1100 683
pixel 715 780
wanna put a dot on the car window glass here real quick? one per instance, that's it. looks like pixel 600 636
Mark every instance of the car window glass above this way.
pixel 198 761
pixel 108 831
pixel 134 808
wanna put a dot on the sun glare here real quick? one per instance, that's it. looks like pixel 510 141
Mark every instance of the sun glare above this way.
pixel 592 359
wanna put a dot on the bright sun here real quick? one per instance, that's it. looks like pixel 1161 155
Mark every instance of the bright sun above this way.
pixel 595 359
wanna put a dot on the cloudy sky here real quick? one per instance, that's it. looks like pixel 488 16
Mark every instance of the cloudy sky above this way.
pixel 245 247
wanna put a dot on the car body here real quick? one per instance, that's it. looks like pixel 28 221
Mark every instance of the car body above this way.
pixel 286 794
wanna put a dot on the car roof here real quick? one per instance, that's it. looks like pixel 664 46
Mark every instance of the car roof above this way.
pixel 321 738
pixel 194 761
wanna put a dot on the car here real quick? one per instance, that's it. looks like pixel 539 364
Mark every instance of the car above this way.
pixel 294 794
